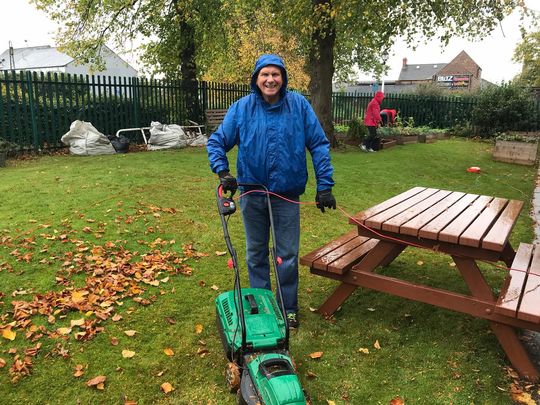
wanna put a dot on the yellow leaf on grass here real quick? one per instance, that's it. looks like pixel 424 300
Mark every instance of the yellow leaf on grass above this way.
pixel 127 354
pixel 198 329
pixel 78 296
pixel 2 362
pixel 218 253
pixel 420 262
pixel 7 333
pixel 166 388
pixel 77 322
pixel 64 331
pixel 214 287
pixel 364 350
pixel 316 355
pixel 377 345
pixel 130 332
pixel 168 351
pixel 330 402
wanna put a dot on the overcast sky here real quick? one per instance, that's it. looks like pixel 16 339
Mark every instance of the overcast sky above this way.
pixel 24 26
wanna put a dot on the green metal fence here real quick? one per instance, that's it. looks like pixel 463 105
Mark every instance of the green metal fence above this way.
pixel 437 112
pixel 36 109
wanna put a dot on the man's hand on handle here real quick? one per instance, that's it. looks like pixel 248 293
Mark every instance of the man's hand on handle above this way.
pixel 324 199
pixel 228 182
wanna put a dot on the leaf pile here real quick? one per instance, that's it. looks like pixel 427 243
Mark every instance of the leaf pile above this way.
pixel 111 274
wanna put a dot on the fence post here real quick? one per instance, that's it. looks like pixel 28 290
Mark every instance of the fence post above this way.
pixel 31 104
pixel 136 103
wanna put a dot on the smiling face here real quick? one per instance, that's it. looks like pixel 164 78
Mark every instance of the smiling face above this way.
pixel 270 81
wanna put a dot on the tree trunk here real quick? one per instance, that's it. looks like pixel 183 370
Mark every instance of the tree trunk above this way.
pixel 188 69
pixel 321 66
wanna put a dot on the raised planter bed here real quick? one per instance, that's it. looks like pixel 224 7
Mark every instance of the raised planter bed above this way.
pixel 521 153
pixel 387 143
pixel 405 139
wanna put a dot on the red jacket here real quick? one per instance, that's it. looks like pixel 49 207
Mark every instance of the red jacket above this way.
pixel 373 111
pixel 391 115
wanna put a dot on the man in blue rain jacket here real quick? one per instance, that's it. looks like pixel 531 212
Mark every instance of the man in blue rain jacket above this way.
pixel 273 128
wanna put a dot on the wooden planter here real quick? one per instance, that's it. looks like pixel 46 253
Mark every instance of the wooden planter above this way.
pixel 405 139
pixel 431 138
pixel 387 143
pixel 521 153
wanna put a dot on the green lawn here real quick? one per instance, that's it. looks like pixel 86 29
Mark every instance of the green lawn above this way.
pixel 138 236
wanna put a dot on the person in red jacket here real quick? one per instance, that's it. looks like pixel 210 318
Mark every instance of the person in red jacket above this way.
pixel 372 119
pixel 388 117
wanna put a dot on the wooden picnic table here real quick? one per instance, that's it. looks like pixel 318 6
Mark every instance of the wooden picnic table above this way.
pixel 468 228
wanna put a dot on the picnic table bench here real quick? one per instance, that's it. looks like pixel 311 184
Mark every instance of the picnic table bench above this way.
pixel 468 228
pixel 214 117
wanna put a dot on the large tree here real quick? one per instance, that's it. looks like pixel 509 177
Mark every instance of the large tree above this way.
pixel 171 32
pixel 528 54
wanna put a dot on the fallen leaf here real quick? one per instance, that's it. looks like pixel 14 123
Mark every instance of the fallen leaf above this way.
pixel 117 318
pixel 202 351
pixel 214 287
pixel 79 370
pixel 7 333
pixel 78 296
pixel 64 331
pixel 364 350
pixel 316 355
pixel 452 264
pixel 311 374
pixel 170 320
pixel 2 362
pixel 198 329
pixel 313 309
pixel 127 354
pixel 397 401
pixel 77 322
pixel 419 262
pixel 100 379
pixel 114 341
pixel 329 402
pixel 371 309
pixel 166 388
pixel 377 345
pixel 130 332
pixel 168 351
pixel 218 253
pixel 128 402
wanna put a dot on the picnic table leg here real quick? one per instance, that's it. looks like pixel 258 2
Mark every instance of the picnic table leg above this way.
pixel 383 252
pixel 508 254
pixel 506 334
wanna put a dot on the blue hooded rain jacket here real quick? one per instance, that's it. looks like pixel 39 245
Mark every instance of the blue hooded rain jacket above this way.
pixel 272 139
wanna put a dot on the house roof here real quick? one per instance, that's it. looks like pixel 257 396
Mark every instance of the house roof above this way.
pixel 420 71
pixel 34 57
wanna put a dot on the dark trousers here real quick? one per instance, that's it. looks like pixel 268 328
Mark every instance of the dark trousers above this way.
pixel 372 141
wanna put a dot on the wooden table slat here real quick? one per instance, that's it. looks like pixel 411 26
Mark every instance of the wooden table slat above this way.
pixel 511 292
pixel 377 221
pixel 393 224
pixel 500 232
pixel 480 226
pixel 412 227
pixel 347 261
pixel 530 301
pixel 432 229
pixel 307 260
pixel 322 262
pixel 360 217
pixel 463 220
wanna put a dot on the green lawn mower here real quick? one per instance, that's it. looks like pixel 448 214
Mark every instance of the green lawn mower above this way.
pixel 254 332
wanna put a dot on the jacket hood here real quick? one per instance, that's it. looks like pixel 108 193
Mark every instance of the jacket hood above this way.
pixel 379 96
pixel 263 61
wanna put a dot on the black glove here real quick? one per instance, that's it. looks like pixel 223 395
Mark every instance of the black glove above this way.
pixel 228 182
pixel 325 199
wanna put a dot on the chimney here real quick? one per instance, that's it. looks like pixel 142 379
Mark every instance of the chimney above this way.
pixel 404 62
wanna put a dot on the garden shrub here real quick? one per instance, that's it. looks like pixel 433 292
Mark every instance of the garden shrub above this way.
pixel 357 130
pixel 503 108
